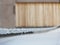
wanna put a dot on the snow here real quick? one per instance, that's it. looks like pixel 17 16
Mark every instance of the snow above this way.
pixel 48 38
pixel 20 30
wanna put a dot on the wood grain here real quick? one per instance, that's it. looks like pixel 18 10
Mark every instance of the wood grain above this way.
pixel 39 14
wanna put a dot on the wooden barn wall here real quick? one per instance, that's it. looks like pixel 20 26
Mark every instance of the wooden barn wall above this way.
pixel 36 15
pixel 7 17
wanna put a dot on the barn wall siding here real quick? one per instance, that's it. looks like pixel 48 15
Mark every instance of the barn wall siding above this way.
pixel 37 15
pixel 7 17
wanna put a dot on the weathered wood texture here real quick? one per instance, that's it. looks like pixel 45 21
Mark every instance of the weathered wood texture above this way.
pixel 7 18
pixel 39 14
pixel 7 2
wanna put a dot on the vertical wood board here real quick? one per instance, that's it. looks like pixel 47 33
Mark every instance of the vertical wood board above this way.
pixel 36 15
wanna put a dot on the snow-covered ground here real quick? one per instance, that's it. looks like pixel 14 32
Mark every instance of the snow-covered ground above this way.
pixel 47 38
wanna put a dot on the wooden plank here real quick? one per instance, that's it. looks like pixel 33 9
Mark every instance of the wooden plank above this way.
pixel 35 15
pixel 48 14
pixel 55 9
pixel 16 14
pixel 59 13
pixel 39 15
pixel 31 15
